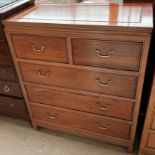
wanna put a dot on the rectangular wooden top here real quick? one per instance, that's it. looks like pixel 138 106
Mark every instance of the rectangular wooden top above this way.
pixel 103 16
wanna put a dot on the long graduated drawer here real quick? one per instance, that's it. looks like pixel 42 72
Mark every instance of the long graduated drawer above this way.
pixel 115 108
pixel 82 121
pixel 80 79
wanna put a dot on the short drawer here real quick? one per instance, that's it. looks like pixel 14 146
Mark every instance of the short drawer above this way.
pixel 79 79
pixel 110 54
pixel 10 89
pixel 40 48
pixel 7 73
pixel 13 107
pixel 5 57
pixel 97 105
pixel 151 141
pixel 83 121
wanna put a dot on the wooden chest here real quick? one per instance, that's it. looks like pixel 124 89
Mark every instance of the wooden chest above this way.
pixel 83 72
pixel 11 98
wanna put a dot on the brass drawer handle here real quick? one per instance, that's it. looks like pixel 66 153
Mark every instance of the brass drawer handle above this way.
pixel 103 84
pixel 110 52
pixel 51 116
pixel 36 49
pixel 103 127
pixel 6 89
pixel 11 105
pixel 107 107
pixel 44 75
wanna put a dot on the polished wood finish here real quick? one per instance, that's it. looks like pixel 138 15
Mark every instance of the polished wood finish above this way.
pixel 148 136
pixel 153 122
pixel 2 35
pixel 10 88
pixel 62 84
pixel 115 108
pixel 110 54
pixel 149 152
pixel 80 79
pixel 151 141
pixel 59 16
pixel 13 107
pixel 40 48
pixel 8 73
pixel 4 54
pixel 147 146
pixel 9 85
pixel 82 121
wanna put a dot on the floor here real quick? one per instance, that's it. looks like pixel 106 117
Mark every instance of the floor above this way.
pixel 18 138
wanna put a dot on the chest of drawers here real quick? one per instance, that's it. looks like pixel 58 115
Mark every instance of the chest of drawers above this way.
pixel 83 74
pixel 11 98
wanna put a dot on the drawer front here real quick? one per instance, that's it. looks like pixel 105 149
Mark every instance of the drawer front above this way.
pixel 110 54
pixel 13 107
pixel 110 84
pixel 5 57
pixel 40 48
pixel 149 151
pixel 79 120
pixel 151 141
pixel 7 73
pixel 10 89
pixel 102 106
